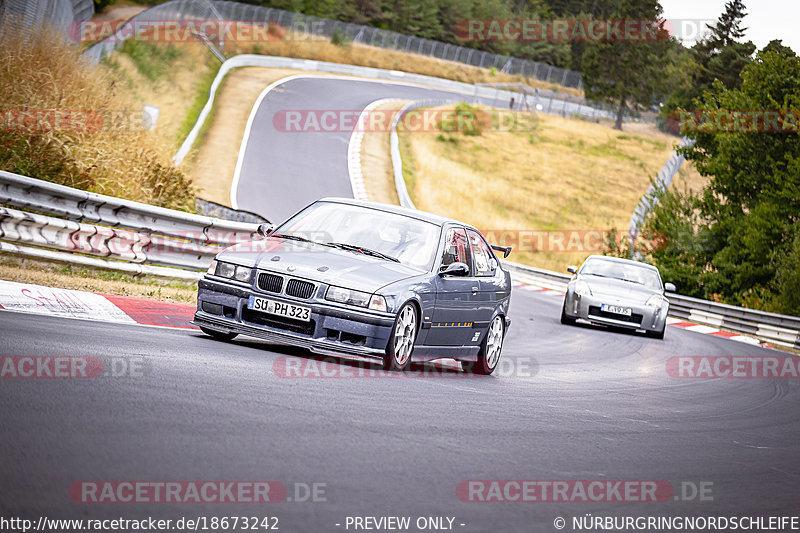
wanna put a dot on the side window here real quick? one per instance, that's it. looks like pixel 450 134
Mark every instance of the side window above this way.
pixel 456 248
pixel 484 262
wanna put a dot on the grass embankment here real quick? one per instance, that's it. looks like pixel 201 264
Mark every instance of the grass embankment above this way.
pixel 551 183
pixel 69 122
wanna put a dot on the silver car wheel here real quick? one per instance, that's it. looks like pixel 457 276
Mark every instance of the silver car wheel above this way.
pixel 494 342
pixel 404 335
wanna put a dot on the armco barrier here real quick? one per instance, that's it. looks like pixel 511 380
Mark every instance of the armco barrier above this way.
pixel 307 26
pixel 107 242
pixel 110 228
pixel 470 92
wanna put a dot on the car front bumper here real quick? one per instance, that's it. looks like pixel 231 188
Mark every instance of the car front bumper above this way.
pixel 643 317
pixel 332 329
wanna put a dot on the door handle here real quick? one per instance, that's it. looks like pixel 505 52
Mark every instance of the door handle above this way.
pixel 474 290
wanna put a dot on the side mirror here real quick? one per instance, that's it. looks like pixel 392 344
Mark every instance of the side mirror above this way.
pixel 670 287
pixel 572 269
pixel 454 269
pixel 265 229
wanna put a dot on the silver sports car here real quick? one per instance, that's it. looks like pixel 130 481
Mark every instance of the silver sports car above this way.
pixel 617 292
pixel 363 278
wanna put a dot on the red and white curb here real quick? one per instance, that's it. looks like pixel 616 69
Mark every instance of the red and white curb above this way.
pixel 354 149
pixel 671 321
pixel 68 303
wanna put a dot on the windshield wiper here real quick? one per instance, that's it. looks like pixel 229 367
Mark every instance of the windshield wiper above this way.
pixel 633 281
pixel 361 249
pixel 294 238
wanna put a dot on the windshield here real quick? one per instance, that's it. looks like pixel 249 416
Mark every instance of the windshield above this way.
pixel 624 271
pixel 382 235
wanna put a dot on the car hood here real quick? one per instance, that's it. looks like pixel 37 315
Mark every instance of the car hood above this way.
pixel 319 263
pixel 616 290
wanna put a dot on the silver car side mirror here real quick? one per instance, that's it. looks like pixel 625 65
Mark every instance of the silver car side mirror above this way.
pixel 670 287
pixel 265 229
pixel 572 269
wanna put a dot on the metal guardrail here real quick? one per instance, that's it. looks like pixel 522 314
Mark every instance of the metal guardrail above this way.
pixel 111 228
pixel 470 91
pixel 106 232
pixel 781 330
pixel 661 182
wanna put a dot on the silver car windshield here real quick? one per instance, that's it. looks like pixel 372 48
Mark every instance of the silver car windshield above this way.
pixel 407 240
pixel 622 271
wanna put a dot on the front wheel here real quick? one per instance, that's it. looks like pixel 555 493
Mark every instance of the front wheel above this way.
pixel 491 346
pixel 218 335
pixel 656 334
pixel 401 340
pixel 569 321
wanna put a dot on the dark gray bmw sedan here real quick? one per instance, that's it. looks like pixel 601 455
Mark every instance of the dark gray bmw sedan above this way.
pixel 352 277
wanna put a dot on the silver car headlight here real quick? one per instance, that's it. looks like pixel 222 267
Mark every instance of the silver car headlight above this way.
pixel 655 300
pixel 231 271
pixel 582 288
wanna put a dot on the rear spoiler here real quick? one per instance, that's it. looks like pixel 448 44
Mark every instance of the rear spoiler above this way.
pixel 505 249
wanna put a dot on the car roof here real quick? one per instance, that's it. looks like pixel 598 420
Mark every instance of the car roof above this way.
pixel 399 210
pixel 620 260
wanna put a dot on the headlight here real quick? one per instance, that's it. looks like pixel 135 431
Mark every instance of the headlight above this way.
pixel 231 271
pixel 655 300
pixel 582 288
pixel 225 270
pixel 347 296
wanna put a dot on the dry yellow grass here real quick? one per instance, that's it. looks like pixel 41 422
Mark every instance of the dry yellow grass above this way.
pixel 549 180
pixel 85 279
pixel 98 134
pixel 370 56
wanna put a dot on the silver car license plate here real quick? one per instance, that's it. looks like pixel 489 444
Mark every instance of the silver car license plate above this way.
pixel 273 307
pixel 616 309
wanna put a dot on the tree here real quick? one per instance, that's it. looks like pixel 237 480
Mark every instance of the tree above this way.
pixel 720 56
pixel 628 72
pixel 739 240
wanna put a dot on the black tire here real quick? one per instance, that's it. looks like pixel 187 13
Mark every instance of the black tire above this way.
pixel 218 335
pixel 486 365
pixel 401 346
pixel 566 320
pixel 656 334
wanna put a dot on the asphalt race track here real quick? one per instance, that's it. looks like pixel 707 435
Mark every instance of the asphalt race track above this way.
pixel 282 171
pixel 570 403
pixel 567 403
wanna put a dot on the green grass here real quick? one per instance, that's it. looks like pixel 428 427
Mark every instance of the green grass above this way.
pixel 198 103
pixel 152 60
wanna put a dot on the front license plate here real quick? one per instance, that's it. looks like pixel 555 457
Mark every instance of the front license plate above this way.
pixel 616 309
pixel 279 308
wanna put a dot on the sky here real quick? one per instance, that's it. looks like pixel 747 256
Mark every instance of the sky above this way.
pixel 766 19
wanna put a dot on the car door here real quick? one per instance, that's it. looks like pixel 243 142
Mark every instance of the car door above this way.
pixel 453 314
pixel 491 281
